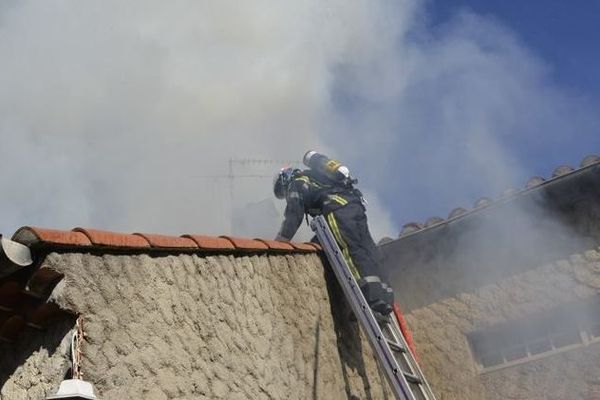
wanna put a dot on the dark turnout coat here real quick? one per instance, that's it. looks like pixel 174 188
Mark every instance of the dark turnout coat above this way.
pixel 342 207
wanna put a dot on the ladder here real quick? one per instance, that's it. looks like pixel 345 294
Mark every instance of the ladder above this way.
pixel 385 336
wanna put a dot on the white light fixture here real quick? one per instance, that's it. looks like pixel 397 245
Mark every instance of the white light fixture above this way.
pixel 74 389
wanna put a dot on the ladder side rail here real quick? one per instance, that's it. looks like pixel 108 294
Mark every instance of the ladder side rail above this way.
pixel 414 365
pixel 362 310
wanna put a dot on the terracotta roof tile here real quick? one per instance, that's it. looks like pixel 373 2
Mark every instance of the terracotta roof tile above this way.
pixel 9 331
pixel 317 246
pixel 113 239
pixel 29 235
pixel 276 245
pixel 246 244
pixel 172 242
pixel 93 237
pixel 304 246
pixel 211 242
pixel 509 194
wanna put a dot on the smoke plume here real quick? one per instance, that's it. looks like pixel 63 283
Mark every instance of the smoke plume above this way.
pixel 125 115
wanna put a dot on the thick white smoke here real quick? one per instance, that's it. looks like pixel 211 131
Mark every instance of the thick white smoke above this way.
pixel 455 113
pixel 124 115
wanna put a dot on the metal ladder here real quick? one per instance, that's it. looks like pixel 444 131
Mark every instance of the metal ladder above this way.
pixel 385 336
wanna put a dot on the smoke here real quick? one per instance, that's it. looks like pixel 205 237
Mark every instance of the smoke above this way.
pixel 124 116
pixel 455 112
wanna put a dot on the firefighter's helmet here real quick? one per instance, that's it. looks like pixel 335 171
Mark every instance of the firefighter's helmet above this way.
pixel 282 181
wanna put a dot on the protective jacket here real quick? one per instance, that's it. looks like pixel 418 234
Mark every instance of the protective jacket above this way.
pixel 309 194
pixel 344 211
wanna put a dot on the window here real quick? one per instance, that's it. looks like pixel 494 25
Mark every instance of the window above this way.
pixel 537 336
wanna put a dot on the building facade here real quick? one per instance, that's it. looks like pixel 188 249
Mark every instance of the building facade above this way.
pixel 503 300
pixel 192 317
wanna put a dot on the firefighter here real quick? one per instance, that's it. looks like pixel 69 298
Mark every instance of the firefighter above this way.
pixel 327 188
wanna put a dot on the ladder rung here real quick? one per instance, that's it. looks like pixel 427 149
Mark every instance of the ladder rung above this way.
pixel 395 346
pixel 412 378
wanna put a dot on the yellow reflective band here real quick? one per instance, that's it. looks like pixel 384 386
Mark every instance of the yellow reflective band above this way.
pixel 345 250
pixel 332 165
pixel 309 181
pixel 339 199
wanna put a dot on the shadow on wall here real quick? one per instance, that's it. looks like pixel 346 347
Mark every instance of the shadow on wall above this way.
pixel 46 361
pixel 347 332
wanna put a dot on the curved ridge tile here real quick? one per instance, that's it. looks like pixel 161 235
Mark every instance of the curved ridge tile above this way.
pixel 384 240
pixel 169 242
pixel 534 181
pixel 482 202
pixel 210 242
pixel 409 228
pixel 317 246
pixel 456 212
pixel 113 239
pixel 303 246
pixel 12 327
pixel 433 221
pixel 246 244
pixel 562 170
pixel 30 235
pixel 589 160
pixel 276 245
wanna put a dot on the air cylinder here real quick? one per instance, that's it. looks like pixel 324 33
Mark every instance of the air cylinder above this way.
pixel 331 169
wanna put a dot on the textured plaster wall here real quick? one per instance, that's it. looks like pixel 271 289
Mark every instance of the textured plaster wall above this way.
pixel 440 331
pixel 215 327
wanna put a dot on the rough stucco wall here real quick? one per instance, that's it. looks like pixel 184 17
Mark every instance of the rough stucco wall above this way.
pixel 440 331
pixel 190 327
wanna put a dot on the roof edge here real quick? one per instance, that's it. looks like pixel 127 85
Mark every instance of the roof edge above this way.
pixel 535 184
pixel 94 239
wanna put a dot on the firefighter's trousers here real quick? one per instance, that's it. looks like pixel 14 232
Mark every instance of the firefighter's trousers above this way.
pixel 349 226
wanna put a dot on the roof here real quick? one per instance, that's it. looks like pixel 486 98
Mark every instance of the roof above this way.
pixel 25 289
pixel 85 238
pixel 534 185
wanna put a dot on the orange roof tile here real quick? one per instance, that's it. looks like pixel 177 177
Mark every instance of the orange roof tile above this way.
pixel 173 242
pixel 113 239
pixel 211 242
pixel 33 236
pixel 276 245
pixel 246 244
pixel 303 246
pixel 29 234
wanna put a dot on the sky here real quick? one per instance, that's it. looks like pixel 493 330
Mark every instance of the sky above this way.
pixel 128 116
pixel 564 33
